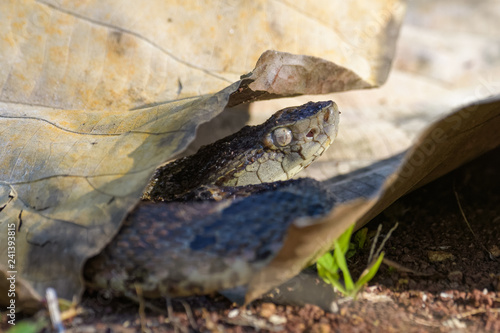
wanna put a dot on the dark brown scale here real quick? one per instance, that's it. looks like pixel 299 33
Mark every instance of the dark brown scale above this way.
pixel 189 173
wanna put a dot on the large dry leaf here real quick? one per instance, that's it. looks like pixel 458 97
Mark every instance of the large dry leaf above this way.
pixel 95 54
pixel 71 178
pixel 77 148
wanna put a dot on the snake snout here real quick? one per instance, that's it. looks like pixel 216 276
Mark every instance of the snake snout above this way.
pixel 330 115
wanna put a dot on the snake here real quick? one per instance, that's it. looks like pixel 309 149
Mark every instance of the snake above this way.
pixel 209 220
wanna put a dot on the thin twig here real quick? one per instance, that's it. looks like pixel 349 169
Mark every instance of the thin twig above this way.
pixel 374 243
pixel 172 319
pixel 147 305
pixel 404 269
pixel 189 313
pixel 470 313
pixel 55 314
pixel 142 312
pixel 492 257
pixel 385 240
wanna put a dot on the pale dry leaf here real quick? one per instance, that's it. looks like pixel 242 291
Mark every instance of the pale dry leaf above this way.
pixel 70 180
pixel 95 54
pixel 443 61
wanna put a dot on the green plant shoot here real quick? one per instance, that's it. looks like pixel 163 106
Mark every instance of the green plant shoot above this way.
pixel 328 267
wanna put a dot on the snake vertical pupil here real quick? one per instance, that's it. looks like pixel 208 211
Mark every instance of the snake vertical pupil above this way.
pixel 282 136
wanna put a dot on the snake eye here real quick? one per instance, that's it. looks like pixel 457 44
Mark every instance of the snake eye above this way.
pixel 282 136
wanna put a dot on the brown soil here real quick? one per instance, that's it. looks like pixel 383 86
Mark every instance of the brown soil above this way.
pixel 451 282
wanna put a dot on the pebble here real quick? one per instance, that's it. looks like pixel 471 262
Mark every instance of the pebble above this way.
pixel 436 256
pixel 455 276
pixel 445 296
pixel 334 307
pixel 324 328
pixel 277 320
pixel 267 310
pixel 233 313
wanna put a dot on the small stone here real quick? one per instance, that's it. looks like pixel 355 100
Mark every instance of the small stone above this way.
pixel 495 251
pixel 334 307
pixel 277 320
pixel 324 328
pixel 319 328
pixel 455 276
pixel 233 313
pixel 267 310
pixel 445 296
pixel 437 256
pixel 455 324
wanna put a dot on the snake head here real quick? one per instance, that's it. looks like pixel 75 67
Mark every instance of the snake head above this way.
pixel 276 150
pixel 296 137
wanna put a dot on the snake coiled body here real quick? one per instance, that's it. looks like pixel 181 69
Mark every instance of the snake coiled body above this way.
pixel 182 248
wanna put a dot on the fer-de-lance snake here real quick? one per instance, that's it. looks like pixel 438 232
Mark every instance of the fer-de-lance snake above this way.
pixel 174 247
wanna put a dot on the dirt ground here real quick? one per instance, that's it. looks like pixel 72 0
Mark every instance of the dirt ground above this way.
pixel 446 278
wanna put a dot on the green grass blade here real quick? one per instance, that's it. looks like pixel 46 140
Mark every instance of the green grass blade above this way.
pixel 369 272
pixel 326 268
pixel 360 238
pixel 336 283
pixel 344 240
pixel 327 261
pixel 340 259
pixel 328 265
